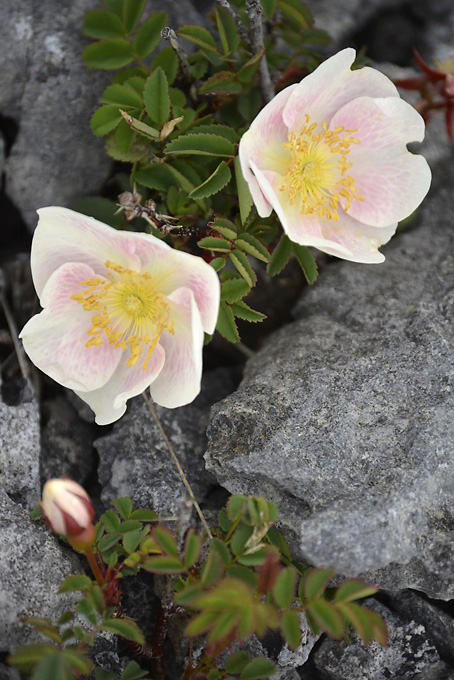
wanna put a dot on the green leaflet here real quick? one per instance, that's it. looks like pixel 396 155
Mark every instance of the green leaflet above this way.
pixel 215 182
pixel 200 144
pixel 156 97
pixel 108 54
pixel 102 24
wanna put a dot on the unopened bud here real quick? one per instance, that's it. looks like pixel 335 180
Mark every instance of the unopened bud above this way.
pixel 68 511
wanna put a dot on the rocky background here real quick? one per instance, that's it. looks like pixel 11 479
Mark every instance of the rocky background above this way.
pixel 343 416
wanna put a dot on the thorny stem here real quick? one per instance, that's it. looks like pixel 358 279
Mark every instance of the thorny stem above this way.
pixel 179 468
pixel 100 580
pixel 254 11
pixel 242 30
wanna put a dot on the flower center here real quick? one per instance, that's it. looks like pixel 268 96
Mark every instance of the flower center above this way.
pixel 130 312
pixel 316 176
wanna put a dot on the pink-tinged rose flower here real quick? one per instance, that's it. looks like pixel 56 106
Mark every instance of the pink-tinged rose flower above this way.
pixel 122 311
pixel 68 511
pixel 329 155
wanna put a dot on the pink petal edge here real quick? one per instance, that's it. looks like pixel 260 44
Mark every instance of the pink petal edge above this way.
pixel 109 401
pixel 179 381
pixel 55 339
pixel 332 85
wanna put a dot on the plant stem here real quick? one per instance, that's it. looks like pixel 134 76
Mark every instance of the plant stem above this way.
pixel 24 369
pixel 171 37
pixel 100 580
pixel 254 11
pixel 179 468
pixel 242 30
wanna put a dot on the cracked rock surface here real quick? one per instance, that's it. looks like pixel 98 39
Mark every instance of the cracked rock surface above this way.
pixel 344 417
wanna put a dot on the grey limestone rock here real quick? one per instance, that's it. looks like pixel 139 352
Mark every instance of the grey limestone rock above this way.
pixel 340 19
pixel 294 658
pixel 388 28
pixel 135 462
pixel 32 566
pixel 409 655
pixel 439 623
pixel 20 446
pixel 272 647
pixel 344 418
pixel 51 95
pixel 66 443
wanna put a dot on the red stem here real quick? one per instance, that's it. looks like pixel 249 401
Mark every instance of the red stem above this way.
pixel 100 580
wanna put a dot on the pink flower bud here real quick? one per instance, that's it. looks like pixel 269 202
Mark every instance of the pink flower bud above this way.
pixel 68 511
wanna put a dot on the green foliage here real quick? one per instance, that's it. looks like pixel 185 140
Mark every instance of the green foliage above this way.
pixel 127 629
pixel 156 97
pixel 306 261
pixel 149 35
pixel 243 582
pixel 177 120
pixel 108 54
pixel 73 583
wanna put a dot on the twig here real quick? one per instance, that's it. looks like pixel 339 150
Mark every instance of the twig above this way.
pixel 254 11
pixel 179 468
pixel 242 30
pixel 171 37
pixel 13 330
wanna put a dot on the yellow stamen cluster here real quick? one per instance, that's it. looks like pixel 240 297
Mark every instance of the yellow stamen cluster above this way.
pixel 130 312
pixel 316 176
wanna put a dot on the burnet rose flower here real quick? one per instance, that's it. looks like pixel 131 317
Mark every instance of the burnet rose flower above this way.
pixel 68 511
pixel 122 311
pixel 329 156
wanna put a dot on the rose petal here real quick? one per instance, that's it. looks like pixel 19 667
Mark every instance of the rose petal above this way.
pixel 346 238
pixel 179 381
pixel 332 85
pixel 303 229
pixel 55 340
pixel 359 242
pixel 109 401
pixel 172 269
pixel 392 180
pixel 63 235
pixel 263 144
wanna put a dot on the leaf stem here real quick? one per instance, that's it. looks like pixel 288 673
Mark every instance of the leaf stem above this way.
pixel 179 468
